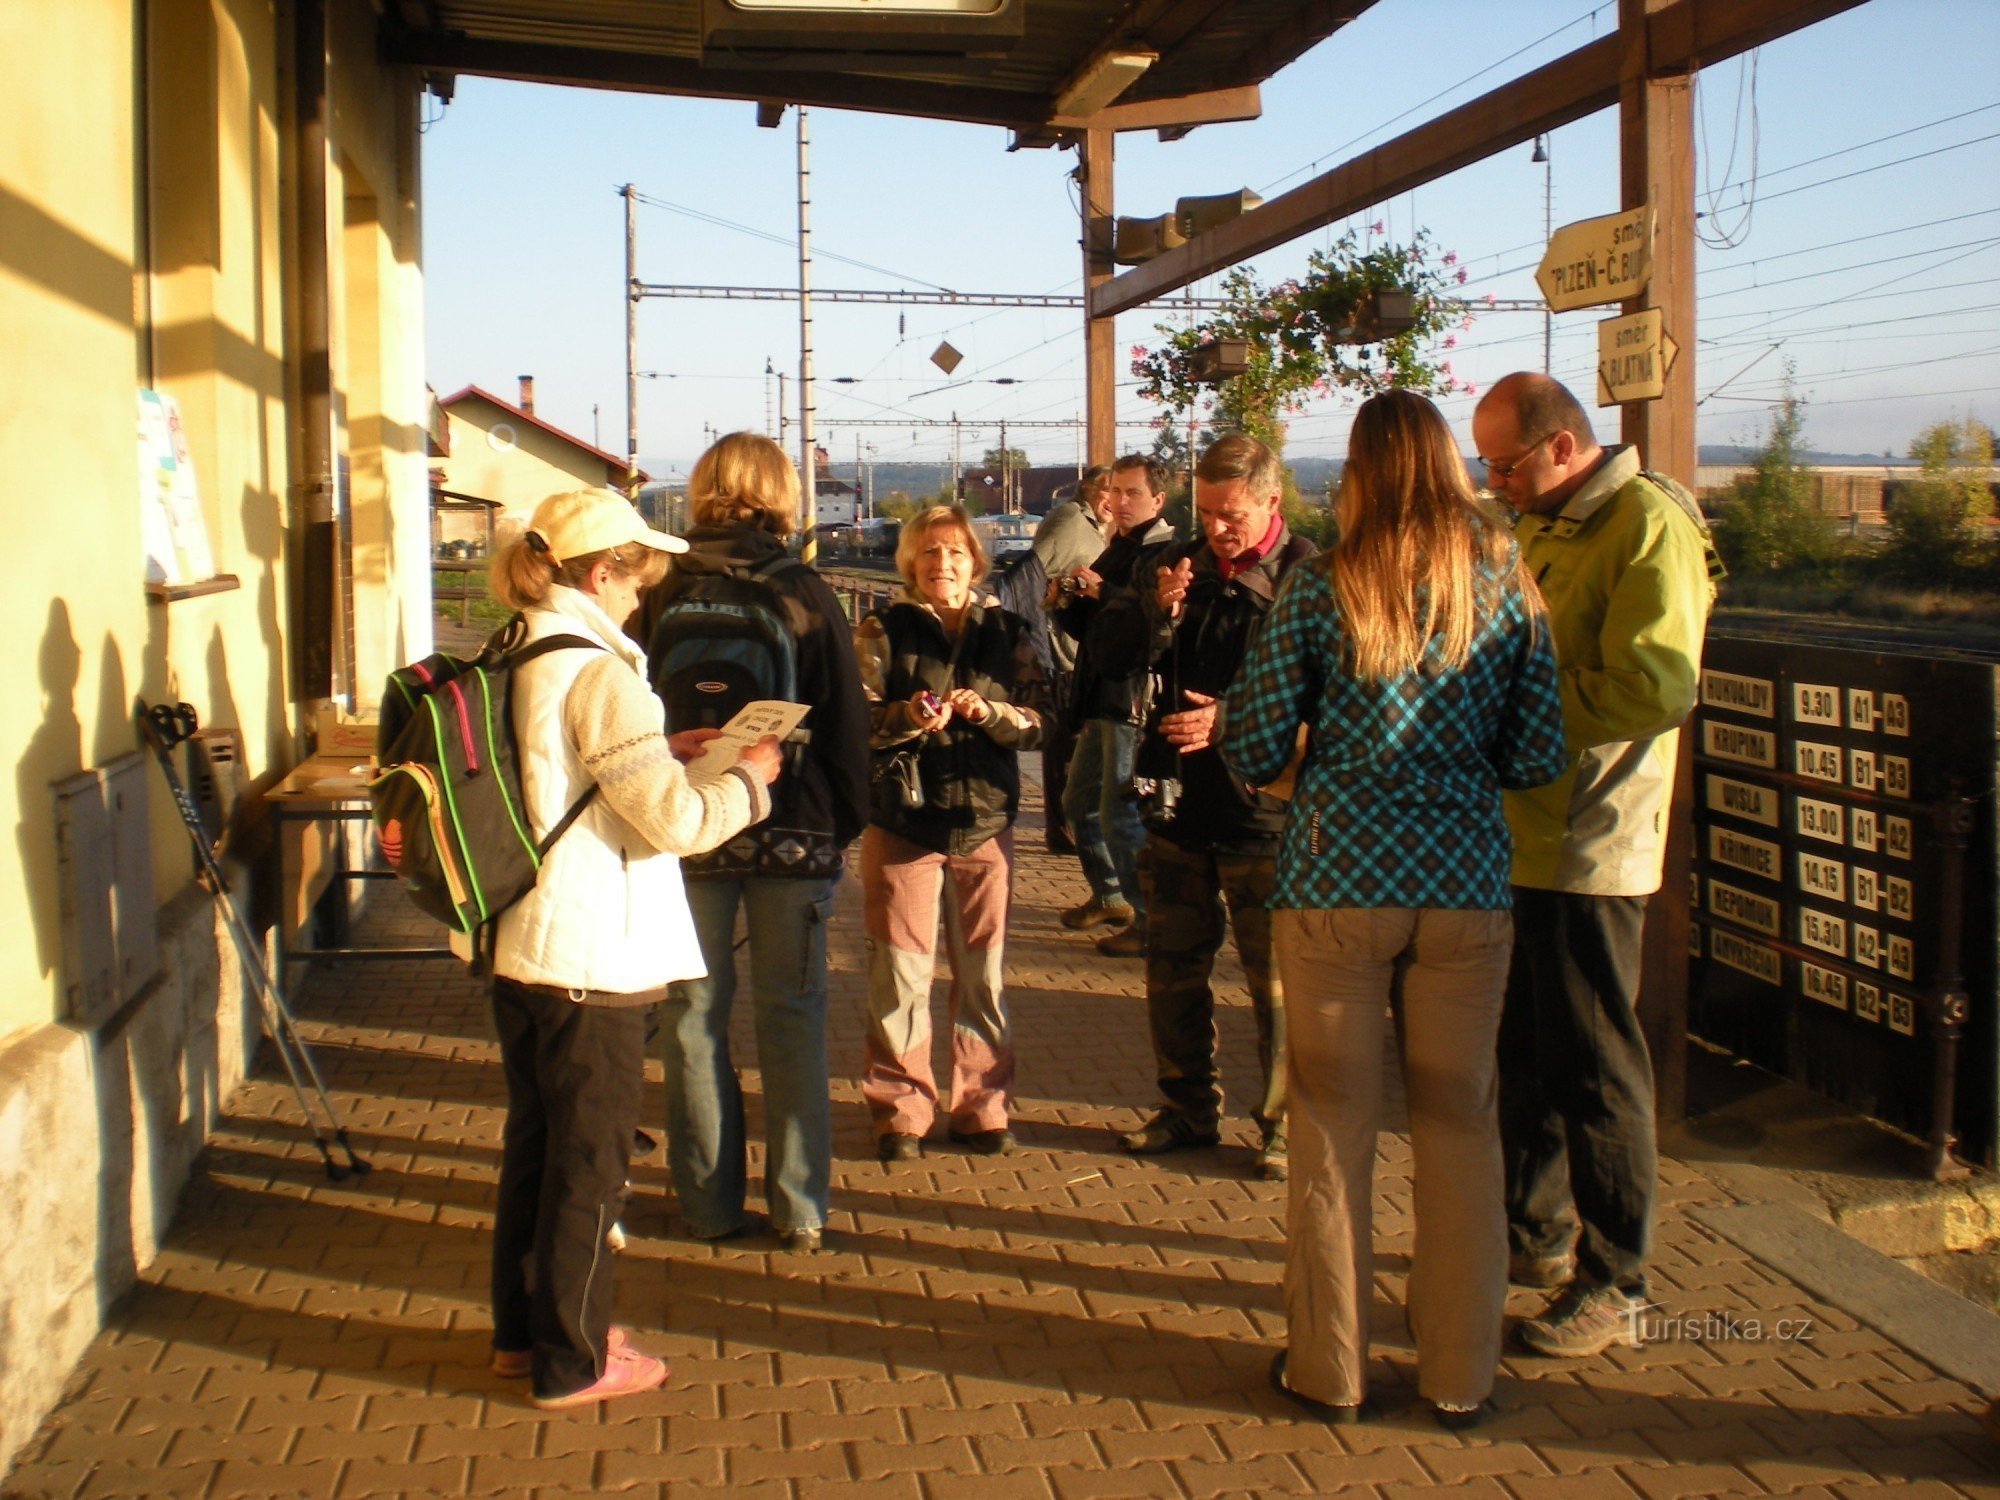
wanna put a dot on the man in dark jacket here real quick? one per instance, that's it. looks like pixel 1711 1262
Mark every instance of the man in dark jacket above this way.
pixel 1212 844
pixel 1109 706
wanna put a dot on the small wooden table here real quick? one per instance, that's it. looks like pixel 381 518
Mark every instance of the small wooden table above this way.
pixel 318 796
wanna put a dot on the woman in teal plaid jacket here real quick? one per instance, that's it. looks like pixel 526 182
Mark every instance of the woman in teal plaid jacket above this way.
pixel 1415 657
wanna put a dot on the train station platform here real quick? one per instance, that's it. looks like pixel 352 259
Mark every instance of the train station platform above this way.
pixel 1063 1323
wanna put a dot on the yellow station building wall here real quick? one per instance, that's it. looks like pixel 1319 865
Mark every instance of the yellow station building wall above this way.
pixel 147 204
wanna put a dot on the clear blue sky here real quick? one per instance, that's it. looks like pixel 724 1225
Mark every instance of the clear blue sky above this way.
pixel 1867 149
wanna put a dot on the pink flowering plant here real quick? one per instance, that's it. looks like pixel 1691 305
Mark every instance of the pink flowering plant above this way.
pixel 1312 336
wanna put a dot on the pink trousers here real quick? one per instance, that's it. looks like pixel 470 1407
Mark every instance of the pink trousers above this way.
pixel 901 883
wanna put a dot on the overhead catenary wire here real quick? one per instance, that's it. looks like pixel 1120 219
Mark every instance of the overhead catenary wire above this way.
pixel 1443 93
pixel 1740 329
pixel 1746 81
pixel 789 241
pixel 1977 390
pixel 1864 265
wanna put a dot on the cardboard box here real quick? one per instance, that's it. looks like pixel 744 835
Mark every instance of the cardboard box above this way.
pixel 341 738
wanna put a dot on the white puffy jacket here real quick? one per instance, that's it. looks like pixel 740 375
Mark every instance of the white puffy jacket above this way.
pixel 608 912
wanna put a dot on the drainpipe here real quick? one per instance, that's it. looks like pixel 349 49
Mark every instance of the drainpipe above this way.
pixel 313 513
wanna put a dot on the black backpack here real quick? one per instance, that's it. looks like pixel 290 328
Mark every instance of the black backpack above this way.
pixel 446 802
pixel 721 641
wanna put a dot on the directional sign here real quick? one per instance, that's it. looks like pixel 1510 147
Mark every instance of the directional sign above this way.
pixel 1595 261
pixel 1633 357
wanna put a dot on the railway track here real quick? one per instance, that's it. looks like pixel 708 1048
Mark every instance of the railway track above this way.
pixel 1966 642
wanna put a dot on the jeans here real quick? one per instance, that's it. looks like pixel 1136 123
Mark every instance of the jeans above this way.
pixel 1188 893
pixel 1104 824
pixel 1444 972
pixel 1058 745
pixel 705 1138
pixel 574 1075
pixel 1576 1086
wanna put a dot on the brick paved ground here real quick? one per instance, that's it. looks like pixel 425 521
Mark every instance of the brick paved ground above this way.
pixel 1066 1322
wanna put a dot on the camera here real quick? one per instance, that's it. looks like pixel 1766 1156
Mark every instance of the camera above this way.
pixel 1159 798
pixel 1156 784
pixel 1069 585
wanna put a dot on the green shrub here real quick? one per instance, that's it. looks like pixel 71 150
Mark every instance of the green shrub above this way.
pixel 1767 520
pixel 1936 529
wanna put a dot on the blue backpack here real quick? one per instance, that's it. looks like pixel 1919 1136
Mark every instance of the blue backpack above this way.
pixel 722 641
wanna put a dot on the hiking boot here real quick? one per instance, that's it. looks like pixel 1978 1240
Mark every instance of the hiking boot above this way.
pixel 751 1224
pixel 1584 1320
pixel 1165 1132
pixel 986 1142
pixel 1129 942
pixel 1095 913
pixel 1542 1272
pixel 627 1372
pixel 1273 1165
pixel 519 1364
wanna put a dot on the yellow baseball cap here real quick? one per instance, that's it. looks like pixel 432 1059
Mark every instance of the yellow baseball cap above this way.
pixel 585 521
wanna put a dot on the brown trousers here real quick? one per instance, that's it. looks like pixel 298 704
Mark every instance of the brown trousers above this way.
pixel 1444 972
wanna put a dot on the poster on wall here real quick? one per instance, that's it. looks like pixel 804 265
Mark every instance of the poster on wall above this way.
pixel 171 524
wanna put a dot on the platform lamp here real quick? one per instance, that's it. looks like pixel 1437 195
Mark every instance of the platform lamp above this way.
pixel 1548 233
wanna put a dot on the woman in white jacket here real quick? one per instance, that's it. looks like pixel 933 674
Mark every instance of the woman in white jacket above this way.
pixel 605 930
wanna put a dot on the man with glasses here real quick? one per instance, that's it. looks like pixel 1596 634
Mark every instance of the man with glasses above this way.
pixel 1623 561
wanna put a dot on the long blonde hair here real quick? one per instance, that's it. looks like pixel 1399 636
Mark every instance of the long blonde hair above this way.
pixel 1416 560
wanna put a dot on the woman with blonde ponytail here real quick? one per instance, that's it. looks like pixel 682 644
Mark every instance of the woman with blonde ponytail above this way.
pixel 574 969
pixel 1414 655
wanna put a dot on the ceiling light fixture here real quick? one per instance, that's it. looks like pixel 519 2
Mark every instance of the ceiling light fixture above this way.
pixel 1101 80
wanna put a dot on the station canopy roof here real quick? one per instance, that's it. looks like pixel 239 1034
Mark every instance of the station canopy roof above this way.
pixel 1067 64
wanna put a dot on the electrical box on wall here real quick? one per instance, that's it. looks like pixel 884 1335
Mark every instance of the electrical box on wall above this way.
pixel 803 32
pixel 105 862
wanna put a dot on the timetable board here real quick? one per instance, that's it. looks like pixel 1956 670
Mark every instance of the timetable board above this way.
pixel 1819 877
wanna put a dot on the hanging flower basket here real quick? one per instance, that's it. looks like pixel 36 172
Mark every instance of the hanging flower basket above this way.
pixel 1382 313
pixel 1218 359
pixel 1361 319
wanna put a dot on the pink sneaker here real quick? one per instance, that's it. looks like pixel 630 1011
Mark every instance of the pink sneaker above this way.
pixel 519 1364
pixel 626 1373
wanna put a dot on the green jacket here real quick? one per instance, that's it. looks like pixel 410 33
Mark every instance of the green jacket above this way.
pixel 1624 570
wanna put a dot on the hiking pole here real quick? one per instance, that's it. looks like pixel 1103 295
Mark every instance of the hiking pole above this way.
pixel 165 727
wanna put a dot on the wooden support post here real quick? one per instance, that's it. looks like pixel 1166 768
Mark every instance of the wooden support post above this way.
pixel 1656 150
pixel 1656 153
pixel 1100 348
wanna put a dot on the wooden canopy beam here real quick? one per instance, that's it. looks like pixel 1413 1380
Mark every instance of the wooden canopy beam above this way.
pixel 1182 114
pixel 1682 35
pixel 1210 108
pixel 653 73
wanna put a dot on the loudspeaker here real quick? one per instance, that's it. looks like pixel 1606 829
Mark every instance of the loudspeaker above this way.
pixel 1142 239
pixel 1199 215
